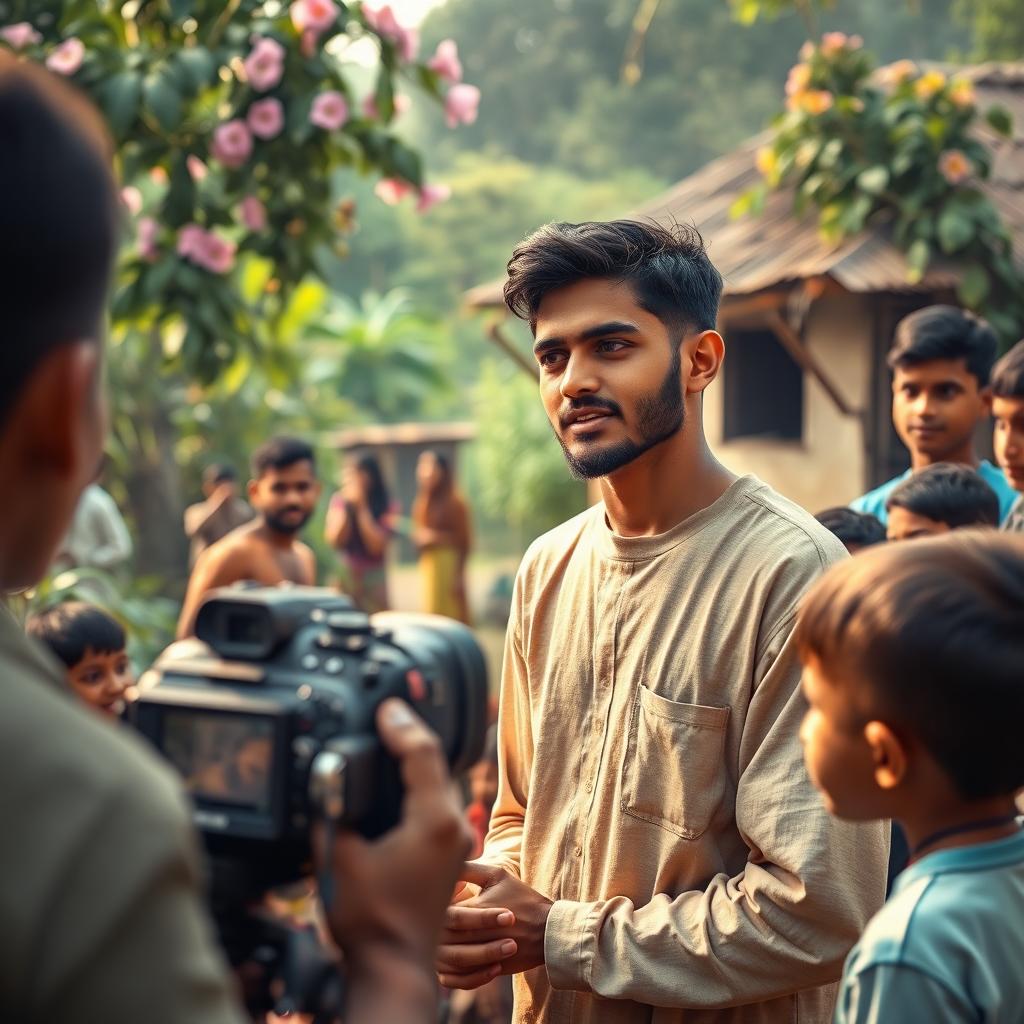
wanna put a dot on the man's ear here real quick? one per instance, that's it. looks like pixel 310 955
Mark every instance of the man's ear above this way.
pixel 986 399
pixel 707 351
pixel 60 411
pixel 250 489
pixel 888 753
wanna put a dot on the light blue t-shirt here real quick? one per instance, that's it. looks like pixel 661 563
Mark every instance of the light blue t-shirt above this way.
pixel 947 947
pixel 874 501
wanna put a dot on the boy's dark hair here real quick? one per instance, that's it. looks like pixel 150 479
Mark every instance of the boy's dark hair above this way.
pixel 72 628
pixel 948 493
pixel 945 332
pixel 219 473
pixel 1008 374
pixel 935 628
pixel 59 216
pixel 859 529
pixel 667 268
pixel 280 453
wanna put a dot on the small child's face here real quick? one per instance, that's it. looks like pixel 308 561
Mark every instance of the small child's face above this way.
pixel 1008 439
pixel 101 679
pixel 906 525
pixel 838 758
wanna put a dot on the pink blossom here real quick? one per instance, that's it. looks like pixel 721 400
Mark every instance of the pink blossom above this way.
pixel 446 61
pixel 232 143
pixel 307 44
pixel 132 199
pixel 955 166
pixel 206 249
pixel 431 195
pixel 254 213
pixel 460 105
pixel 807 50
pixel 266 118
pixel 833 42
pixel 20 35
pixel 265 64
pixel 329 111
pixel 392 190
pixel 196 168
pixel 147 246
pixel 67 58
pixel 190 239
pixel 383 21
pixel 315 15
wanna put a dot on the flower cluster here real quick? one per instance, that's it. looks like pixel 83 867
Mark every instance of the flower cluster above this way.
pixel 206 249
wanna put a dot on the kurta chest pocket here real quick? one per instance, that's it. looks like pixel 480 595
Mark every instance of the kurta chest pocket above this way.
pixel 672 772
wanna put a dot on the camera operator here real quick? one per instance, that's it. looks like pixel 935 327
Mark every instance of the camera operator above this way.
pixel 100 899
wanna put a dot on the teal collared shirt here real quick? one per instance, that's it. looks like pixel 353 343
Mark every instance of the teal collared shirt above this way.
pixel 874 501
pixel 947 947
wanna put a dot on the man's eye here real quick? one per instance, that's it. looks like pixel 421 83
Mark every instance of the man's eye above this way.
pixel 611 345
pixel 550 358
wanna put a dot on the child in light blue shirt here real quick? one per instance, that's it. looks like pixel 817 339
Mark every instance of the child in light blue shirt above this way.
pixel 914 676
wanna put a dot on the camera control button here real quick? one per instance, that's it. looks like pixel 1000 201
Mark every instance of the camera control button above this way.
pixel 335 666
pixel 305 748
pixel 310 662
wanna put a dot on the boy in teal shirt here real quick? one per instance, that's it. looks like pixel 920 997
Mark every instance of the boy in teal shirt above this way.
pixel 912 672
pixel 941 360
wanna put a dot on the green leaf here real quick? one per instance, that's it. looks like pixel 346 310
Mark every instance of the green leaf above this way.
pixel 197 66
pixel 955 230
pixel 163 100
pixel 874 180
pixel 918 256
pixel 974 286
pixel 120 99
pixel 384 95
pixel 403 162
pixel 1000 119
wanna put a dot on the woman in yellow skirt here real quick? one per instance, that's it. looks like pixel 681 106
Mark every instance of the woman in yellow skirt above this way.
pixel 442 534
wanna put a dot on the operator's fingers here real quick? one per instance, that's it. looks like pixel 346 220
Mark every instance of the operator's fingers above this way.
pixel 469 919
pixel 484 875
pixel 474 979
pixel 463 959
pixel 418 750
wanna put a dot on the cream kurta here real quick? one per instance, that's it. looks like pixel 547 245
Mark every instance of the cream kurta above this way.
pixel 652 782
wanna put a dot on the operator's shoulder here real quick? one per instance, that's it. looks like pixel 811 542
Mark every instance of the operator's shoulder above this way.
pixel 554 546
pixel 776 528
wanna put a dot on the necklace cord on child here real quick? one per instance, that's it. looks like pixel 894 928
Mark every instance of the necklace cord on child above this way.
pixel 955 830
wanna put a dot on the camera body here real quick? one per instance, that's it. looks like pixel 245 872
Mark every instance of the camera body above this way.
pixel 269 716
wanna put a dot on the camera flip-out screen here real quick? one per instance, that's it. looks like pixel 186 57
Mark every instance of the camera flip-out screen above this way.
pixel 224 758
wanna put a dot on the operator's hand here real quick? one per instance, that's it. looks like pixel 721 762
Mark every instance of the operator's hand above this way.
pixel 390 894
pixel 499 931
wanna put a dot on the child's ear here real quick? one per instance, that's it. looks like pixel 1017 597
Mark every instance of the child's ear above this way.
pixel 888 753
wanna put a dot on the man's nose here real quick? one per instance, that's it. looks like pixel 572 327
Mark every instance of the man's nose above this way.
pixel 578 377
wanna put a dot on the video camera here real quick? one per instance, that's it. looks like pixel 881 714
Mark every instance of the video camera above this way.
pixel 269 718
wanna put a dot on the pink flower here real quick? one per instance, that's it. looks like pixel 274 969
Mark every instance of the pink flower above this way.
pixel 833 42
pixel 329 111
pixel 798 80
pixel 67 58
pixel 431 195
pixel 206 249
pixel 307 44
pixel 232 143
pixel 460 105
pixel 20 35
pixel 446 61
pixel 807 50
pixel 383 21
pixel 147 239
pixel 265 64
pixel 315 15
pixel 392 190
pixel 254 213
pixel 955 166
pixel 266 118
pixel 196 168
pixel 401 104
pixel 132 199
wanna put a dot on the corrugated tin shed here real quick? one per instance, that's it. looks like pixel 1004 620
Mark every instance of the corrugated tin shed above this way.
pixel 755 253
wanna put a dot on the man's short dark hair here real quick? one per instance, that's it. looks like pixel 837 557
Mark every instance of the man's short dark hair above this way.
pixel 945 332
pixel 667 268
pixel 219 473
pixel 948 493
pixel 1008 374
pixel 58 220
pixel 936 630
pixel 73 628
pixel 280 453
pixel 854 529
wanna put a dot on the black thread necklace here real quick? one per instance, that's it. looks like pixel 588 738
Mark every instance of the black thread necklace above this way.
pixel 955 830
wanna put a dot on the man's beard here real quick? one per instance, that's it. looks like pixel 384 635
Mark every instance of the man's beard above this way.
pixel 279 525
pixel 660 415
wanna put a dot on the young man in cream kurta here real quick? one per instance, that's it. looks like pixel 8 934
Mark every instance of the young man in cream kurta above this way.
pixel 659 848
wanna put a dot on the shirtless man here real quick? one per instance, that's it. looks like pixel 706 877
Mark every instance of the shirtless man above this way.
pixel 283 491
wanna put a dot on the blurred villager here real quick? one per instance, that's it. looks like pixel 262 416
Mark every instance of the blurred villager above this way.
pixel 441 531
pixel 98 537
pixel 283 490
pixel 857 530
pixel 360 526
pixel 941 362
pixel 222 511
pixel 1008 438
pixel 940 498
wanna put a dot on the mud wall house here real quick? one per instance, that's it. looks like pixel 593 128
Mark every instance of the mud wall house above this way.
pixel 804 396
